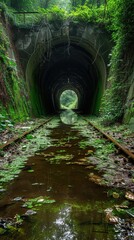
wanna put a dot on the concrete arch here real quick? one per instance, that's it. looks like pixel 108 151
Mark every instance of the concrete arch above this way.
pixel 68 64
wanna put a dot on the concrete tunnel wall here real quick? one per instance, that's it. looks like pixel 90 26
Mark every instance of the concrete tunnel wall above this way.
pixel 77 66
pixel 55 59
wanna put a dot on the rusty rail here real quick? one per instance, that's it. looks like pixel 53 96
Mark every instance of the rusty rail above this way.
pixel 18 138
pixel 110 138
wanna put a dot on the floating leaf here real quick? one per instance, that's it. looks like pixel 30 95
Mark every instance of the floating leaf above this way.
pixel 90 152
pixel 129 196
pixel 36 184
pixel 79 163
pixel 83 160
pixel 34 203
pixel 89 167
pixel 110 216
pixel 112 219
pixel 30 171
pixel 95 178
pixel 48 154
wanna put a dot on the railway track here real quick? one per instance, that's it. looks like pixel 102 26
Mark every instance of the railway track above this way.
pixel 66 171
pixel 18 138
pixel 83 142
pixel 124 150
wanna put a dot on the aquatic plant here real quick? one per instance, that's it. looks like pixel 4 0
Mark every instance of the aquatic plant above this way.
pixel 59 157
pixel 35 203
pixel 35 142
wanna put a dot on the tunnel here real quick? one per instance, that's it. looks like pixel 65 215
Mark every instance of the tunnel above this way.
pixel 66 65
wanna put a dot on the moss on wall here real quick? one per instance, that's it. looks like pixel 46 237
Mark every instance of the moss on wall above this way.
pixel 120 79
pixel 116 102
pixel 13 93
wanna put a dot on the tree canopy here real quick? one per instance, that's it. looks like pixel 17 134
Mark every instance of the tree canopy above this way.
pixel 68 4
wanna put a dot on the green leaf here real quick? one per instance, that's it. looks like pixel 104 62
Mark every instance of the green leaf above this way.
pixel 30 171
pixel 29 136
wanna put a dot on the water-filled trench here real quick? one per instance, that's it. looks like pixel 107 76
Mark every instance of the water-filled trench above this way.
pixel 75 206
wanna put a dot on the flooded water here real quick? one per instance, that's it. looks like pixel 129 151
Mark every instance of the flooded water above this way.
pixel 60 173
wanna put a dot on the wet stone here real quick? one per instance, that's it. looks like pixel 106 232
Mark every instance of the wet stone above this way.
pixel 2 190
pixel 17 199
pixel 29 213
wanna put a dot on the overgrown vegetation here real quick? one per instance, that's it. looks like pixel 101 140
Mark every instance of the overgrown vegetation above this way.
pixel 121 63
pixel 35 203
pixel 14 163
pixel 55 10
pixel 116 16
pixel 13 103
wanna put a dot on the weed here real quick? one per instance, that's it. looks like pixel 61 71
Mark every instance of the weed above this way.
pixel 35 203
pixel 58 158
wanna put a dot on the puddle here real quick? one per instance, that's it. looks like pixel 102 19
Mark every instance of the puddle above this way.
pixel 75 207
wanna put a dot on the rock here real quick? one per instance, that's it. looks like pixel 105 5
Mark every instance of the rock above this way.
pixel 18 199
pixel 29 213
pixel 2 189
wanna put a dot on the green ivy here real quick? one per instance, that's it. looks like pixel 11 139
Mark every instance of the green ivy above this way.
pixel 121 62
pixel 88 14
pixel 117 16
pixel 13 104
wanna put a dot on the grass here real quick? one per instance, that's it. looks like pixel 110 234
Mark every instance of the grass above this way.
pixel 34 142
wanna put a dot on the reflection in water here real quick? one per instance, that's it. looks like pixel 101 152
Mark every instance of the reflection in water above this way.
pixel 64 226
pixel 68 117
pixel 124 230
pixel 70 222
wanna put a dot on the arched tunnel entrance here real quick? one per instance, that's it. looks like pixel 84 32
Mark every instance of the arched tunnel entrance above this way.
pixel 72 65
pixel 69 99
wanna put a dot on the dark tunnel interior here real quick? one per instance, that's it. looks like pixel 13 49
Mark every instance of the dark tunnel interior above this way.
pixel 67 67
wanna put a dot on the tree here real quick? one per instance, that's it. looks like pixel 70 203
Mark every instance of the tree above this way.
pixel 83 2
pixel 19 5
pixel 23 4
pixel 75 3
pixel 44 3
pixel 98 3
